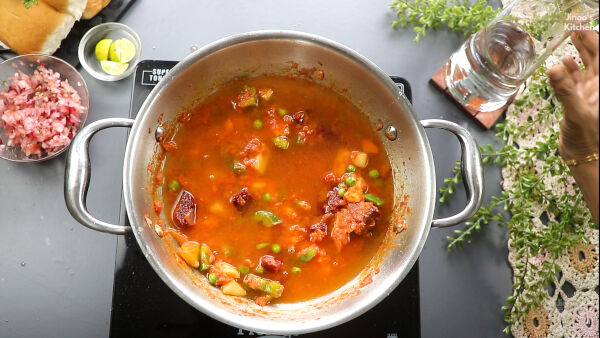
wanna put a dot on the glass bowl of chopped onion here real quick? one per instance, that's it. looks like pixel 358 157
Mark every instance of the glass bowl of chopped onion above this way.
pixel 44 102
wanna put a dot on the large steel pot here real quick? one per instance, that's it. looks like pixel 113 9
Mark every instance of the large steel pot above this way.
pixel 351 75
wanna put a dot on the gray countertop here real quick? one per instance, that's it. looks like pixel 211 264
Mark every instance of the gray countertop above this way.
pixel 53 286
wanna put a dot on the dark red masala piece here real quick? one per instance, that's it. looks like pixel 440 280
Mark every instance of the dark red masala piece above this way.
pixel 241 199
pixel 318 231
pixel 270 263
pixel 184 213
pixel 334 202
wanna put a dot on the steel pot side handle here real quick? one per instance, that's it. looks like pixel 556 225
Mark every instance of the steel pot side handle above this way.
pixel 78 172
pixel 471 170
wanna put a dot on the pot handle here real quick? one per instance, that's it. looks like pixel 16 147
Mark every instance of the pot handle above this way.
pixel 471 169
pixel 78 172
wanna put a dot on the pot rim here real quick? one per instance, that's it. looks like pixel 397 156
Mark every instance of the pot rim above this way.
pixel 253 323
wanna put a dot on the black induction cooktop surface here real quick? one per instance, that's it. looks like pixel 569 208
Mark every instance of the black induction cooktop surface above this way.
pixel 144 306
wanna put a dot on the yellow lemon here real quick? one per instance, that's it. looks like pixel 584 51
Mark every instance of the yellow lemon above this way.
pixel 122 50
pixel 113 68
pixel 102 48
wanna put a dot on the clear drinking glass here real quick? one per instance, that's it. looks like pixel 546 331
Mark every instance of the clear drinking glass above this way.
pixel 491 65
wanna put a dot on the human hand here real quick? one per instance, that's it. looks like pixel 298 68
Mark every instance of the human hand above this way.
pixel 578 92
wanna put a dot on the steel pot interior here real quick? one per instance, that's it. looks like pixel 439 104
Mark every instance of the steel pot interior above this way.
pixel 274 52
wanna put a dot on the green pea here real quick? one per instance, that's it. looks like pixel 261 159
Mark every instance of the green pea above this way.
pixel 275 248
pixel 296 270
pixel 257 124
pixel 281 142
pixel 341 192
pixel 373 173
pixel 266 197
pixel 282 112
pixel 212 279
pixel 351 168
pixel 174 185
pixel 350 181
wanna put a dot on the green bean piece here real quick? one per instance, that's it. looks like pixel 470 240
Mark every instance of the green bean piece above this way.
pixel 281 142
pixel 267 218
pixel 275 248
pixel 282 112
pixel 244 270
pixel 350 181
pixel 257 124
pixel 308 255
pixel 296 270
pixel 266 197
pixel 262 245
pixel 341 192
pixel 205 255
pixel 174 185
pixel 373 173
pixel 212 279
pixel 270 287
pixel 374 199
pixel 239 168
pixel 351 168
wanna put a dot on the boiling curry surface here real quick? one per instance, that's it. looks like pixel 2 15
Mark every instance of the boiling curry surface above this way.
pixel 276 189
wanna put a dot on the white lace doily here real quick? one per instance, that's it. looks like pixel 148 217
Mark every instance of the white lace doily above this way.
pixel 571 307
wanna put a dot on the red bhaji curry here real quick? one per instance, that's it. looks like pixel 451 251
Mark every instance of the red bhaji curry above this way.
pixel 276 189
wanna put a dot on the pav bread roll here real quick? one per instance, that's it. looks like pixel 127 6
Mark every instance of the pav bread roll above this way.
pixel 38 29
pixel 73 7
pixel 93 7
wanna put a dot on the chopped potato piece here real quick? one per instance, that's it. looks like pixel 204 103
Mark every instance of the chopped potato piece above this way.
pixel 265 94
pixel 227 269
pixel 369 147
pixel 354 194
pixel 341 162
pixel 233 288
pixel 303 205
pixel 259 163
pixel 177 236
pixel 190 252
pixel 360 159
